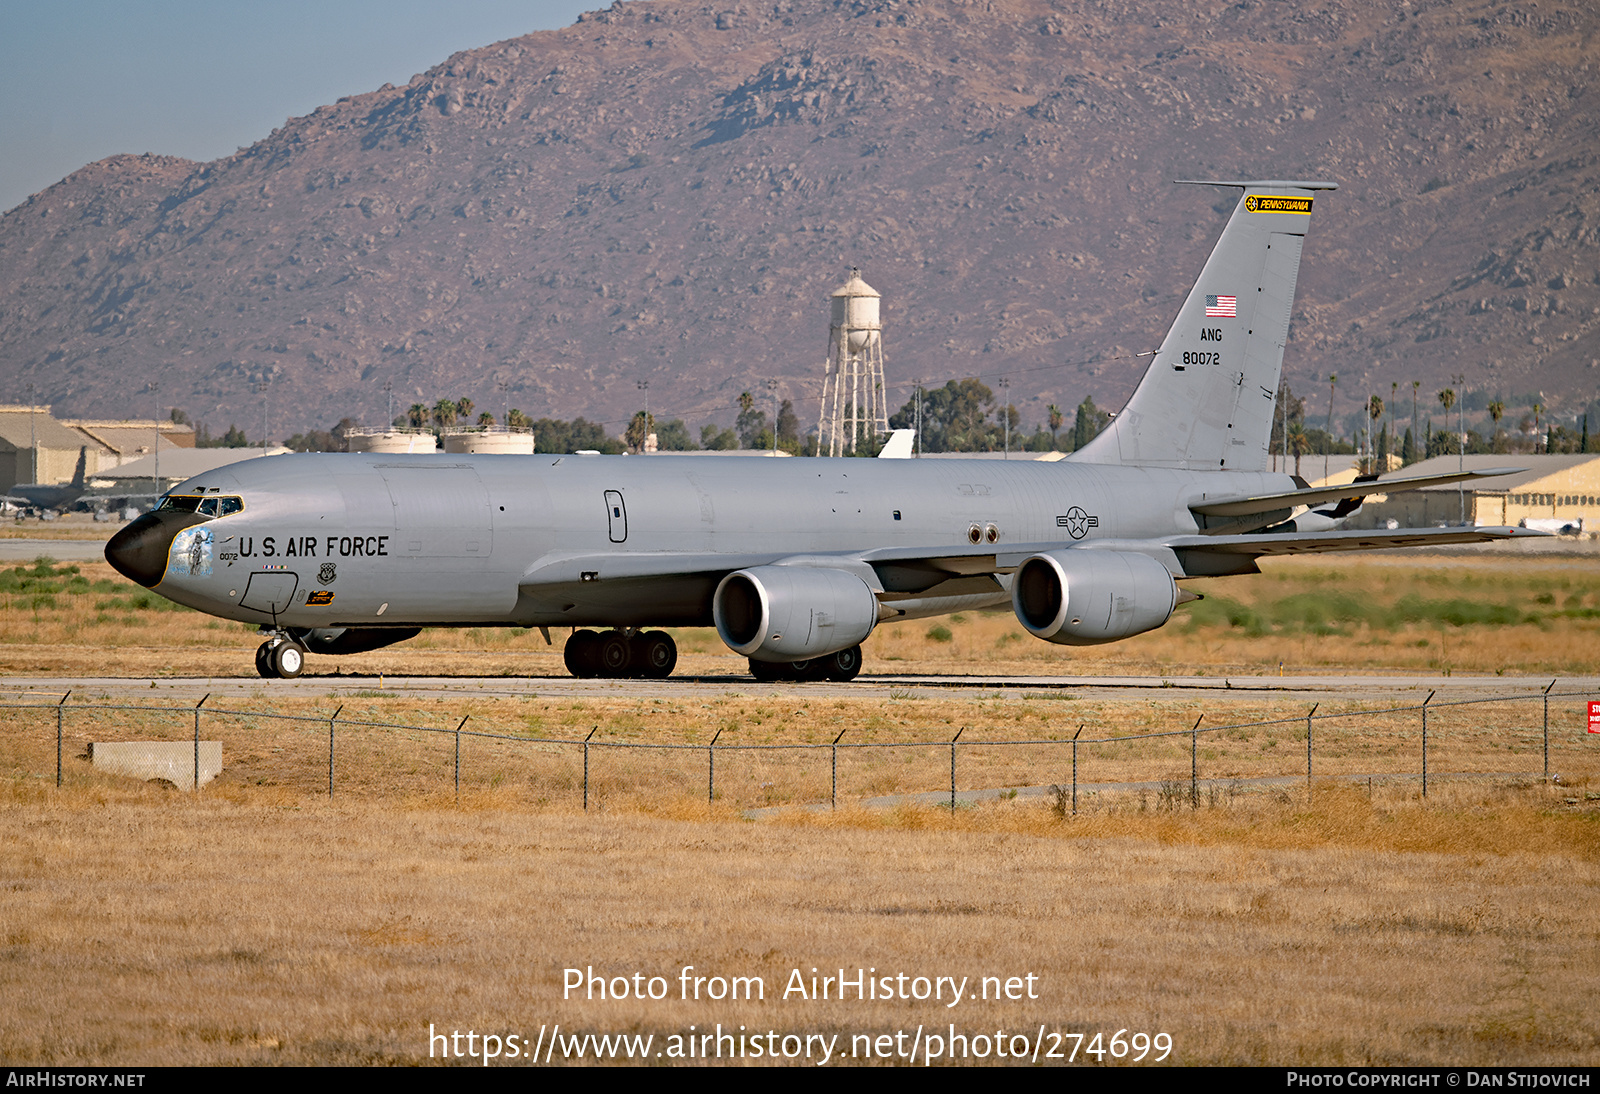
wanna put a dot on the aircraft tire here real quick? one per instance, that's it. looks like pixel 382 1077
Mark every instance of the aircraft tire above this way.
pixel 288 660
pixel 815 668
pixel 769 671
pixel 615 655
pixel 843 666
pixel 655 655
pixel 582 654
pixel 264 661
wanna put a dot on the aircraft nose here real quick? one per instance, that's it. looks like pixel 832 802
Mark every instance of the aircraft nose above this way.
pixel 139 551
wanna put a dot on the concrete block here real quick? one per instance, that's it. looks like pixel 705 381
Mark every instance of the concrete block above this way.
pixel 169 760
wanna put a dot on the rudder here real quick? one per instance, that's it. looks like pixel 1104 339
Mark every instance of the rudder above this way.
pixel 1206 402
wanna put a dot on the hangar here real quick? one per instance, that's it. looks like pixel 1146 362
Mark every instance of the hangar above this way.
pixel 35 447
pixel 1552 493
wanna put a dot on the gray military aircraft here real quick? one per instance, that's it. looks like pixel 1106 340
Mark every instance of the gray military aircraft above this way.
pixel 44 495
pixel 793 561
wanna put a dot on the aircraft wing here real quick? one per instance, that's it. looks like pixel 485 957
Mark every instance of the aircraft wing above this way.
pixel 1293 543
pixel 1244 505
pixel 690 576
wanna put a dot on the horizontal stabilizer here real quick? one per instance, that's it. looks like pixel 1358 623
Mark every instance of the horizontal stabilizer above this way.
pixel 1258 182
pixel 1315 495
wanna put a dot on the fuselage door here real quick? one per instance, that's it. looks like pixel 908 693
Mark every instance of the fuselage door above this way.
pixel 617 516
pixel 270 592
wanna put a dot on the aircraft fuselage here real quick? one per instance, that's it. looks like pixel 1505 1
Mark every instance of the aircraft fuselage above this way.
pixel 371 540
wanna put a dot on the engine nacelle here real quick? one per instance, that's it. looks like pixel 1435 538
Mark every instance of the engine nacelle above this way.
pixel 1085 597
pixel 793 613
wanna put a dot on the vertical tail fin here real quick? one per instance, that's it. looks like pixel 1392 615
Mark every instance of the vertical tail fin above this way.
pixel 1207 400
pixel 83 463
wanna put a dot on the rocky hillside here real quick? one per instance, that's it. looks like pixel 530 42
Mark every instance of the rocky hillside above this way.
pixel 667 192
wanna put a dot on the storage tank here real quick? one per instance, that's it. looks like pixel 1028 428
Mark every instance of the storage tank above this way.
pixel 855 312
pixel 855 410
pixel 485 442
pixel 391 440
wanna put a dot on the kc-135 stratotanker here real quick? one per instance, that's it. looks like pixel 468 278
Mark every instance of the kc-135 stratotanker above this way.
pixel 793 561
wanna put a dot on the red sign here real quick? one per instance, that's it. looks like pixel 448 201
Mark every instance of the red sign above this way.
pixel 1594 716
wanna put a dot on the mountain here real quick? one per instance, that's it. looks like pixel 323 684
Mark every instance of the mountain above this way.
pixel 667 192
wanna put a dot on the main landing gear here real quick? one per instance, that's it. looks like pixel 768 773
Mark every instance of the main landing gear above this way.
pixel 280 657
pixel 619 655
pixel 839 667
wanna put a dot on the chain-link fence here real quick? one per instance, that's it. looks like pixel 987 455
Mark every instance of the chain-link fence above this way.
pixel 1528 735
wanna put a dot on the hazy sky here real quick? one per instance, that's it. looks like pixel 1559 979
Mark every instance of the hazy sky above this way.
pixel 84 79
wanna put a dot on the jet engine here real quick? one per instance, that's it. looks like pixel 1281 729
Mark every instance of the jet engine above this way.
pixel 793 613
pixel 1085 597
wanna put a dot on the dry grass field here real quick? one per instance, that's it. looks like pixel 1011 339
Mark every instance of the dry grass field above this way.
pixel 1427 614
pixel 260 921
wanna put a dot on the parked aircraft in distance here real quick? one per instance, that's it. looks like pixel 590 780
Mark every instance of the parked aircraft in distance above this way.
pixel 793 561
pixel 42 495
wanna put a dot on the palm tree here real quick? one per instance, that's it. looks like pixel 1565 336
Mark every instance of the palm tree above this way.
pixel 1055 424
pixel 1299 443
pixel 1497 410
pixel 486 419
pixel 417 415
pixel 464 407
pixel 1447 398
pixel 1375 411
pixel 444 413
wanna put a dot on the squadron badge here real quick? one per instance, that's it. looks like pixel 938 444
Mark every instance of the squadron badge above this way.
pixel 327 573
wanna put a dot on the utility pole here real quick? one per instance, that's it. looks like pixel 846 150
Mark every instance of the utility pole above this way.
pixel 1005 388
pixel 644 441
pixel 261 389
pixel 919 419
pixel 1327 441
pixel 152 387
pixel 33 439
pixel 505 404
pixel 772 386
pixel 1416 425
pixel 1460 381
pixel 388 395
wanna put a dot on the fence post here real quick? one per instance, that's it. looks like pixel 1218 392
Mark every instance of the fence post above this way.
pixel 196 784
pixel 953 741
pixel 331 720
pixel 711 767
pixel 1547 731
pixel 1194 763
pixel 1309 713
pixel 592 732
pixel 833 795
pixel 58 737
pixel 1425 703
pixel 1075 768
pixel 458 756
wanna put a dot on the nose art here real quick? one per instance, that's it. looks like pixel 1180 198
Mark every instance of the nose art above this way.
pixel 139 551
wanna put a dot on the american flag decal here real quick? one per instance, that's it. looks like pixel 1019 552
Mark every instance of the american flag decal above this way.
pixel 1222 307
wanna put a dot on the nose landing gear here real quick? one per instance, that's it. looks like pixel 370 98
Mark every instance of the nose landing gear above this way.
pixel 280 657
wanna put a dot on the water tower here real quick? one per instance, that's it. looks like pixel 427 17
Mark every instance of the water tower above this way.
pixel 853 409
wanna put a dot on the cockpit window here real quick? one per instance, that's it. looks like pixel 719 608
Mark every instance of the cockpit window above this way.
pixel 206 507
